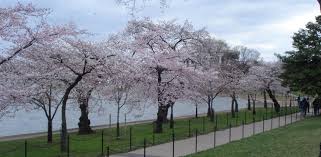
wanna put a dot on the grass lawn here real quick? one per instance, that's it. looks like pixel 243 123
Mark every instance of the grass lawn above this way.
pixel 301 139
pixel 91 145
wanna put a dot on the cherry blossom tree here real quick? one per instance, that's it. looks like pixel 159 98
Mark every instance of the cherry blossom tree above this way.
pixel 7 91
pixel 26 85
pixel 124 89
pixel 81 60
pixel 239 68
pixel 215 59
pixel 162 49
pixel 70 61
pixel 22 26
pixel 266 77
pixel 48 102
pixel 247 58
pixel 252 86
pixel 206 86
pixel 235 87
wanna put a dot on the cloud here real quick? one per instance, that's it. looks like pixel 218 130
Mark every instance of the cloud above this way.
pixel 265 25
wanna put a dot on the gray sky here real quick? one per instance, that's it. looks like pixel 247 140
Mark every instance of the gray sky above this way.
pixel 265 25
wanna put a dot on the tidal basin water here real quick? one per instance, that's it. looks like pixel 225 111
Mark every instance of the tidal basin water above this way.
pixel 33 121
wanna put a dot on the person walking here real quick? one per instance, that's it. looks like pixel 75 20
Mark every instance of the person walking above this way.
pixel 308 104
pixel 301 106
pixel 305 105
pixel 298 99
pixel 316 106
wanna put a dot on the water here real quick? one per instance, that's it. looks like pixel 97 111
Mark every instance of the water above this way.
pixel 35 121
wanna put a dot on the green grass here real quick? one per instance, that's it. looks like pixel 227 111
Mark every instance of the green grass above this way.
pixel 91 145
pixel 301 139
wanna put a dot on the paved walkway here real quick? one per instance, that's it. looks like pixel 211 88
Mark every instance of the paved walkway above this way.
pixel 188 146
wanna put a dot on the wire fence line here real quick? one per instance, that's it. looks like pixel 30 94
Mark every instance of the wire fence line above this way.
pixel 208 141
pixel 104 142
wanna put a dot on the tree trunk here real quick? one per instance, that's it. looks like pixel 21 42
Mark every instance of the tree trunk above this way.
pixel 84 122
pixel 162 107
pixel 49 133
pixel 209 109
pixel 254 111
pixel 196 111
pixel 232 108
pixel 165 120
pixel 235 103
pixel 212 115
pixel 248 102
pixel 63 135
pixel 265 102
pixel 49 118
pixel 117 124
pixel 161 115
pixel 275 102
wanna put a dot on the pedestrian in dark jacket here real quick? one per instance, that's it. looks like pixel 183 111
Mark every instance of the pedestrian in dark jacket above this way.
pixel 316 105
pixel 301 107
pixel 308 105
pixel 305 106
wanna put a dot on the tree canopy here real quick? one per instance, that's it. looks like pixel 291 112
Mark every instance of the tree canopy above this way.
pixel 302 66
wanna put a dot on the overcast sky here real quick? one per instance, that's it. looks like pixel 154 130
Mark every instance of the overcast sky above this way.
pixel 265 25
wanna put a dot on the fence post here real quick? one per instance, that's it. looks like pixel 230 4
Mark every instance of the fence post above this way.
pixel 144 147
pixel 291 114
pixel 263 123
pixel 216 119
pixel 107 151
pixel 25 148
pixel 253 127
pixel 189 128
pixel 125 119
pixel 203 124
pixel 320 150
pixel 102 143
pixel 285 119
pixel 68 148
pixel 196 132
pixel 173 137
pixel 296 115
pixel 271 123
pixel 230 133
pixel 279 118
pixel 215 128
pixel 153 138
pixel 245 116
pixel 243 129
pixel 130 138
